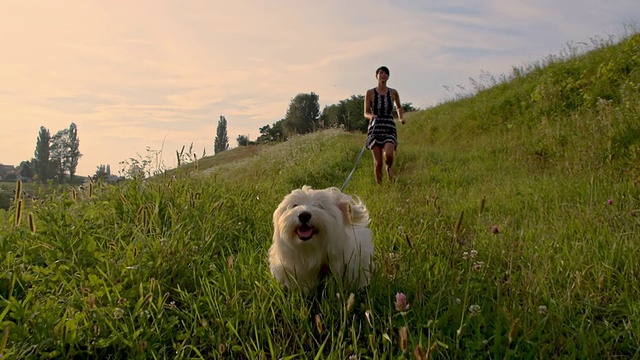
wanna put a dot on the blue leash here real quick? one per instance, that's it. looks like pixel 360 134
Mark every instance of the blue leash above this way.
pixel 373 125
pixel 354 168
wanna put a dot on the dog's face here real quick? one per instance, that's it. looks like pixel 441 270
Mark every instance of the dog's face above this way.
pixel 320 229
pixel 307 215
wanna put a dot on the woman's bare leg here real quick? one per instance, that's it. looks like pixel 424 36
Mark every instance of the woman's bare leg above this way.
pixel 377 162
pixel 388 158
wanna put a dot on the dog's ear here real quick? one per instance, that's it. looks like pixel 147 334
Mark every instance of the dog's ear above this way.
pixel 353 210
pixel 345 209
pixel 356 211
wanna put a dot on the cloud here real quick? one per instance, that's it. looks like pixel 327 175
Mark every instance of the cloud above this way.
pixel 159 74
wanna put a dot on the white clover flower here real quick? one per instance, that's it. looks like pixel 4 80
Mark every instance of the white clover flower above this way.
pixel 542 310
pixel 474 309
pixel 118 313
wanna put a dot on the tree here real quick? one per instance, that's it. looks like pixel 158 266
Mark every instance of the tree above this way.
pixel 65 151
pixel 272 133
pixel 58 150
pixel 348 114
pixel 42 154
pixel 408 107
pixel 74 154
pixel 243 140
pixel 26 169
pixel 354 117
pixel 221 142
pixel 303 114
pixel 102 172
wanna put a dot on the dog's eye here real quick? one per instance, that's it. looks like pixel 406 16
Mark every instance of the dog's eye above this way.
pixel 319 206
pixel 292 206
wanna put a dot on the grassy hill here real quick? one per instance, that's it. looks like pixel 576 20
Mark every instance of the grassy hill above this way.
pixel 512 228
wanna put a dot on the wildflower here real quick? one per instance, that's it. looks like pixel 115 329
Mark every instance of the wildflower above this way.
pixel 478 265
pixel 494 229
pixel 542 310
pixel 91 303
pixel 319 325
pixel 610 202
pixel 368 316
pixel 473 254
pixel 118 313
pixel 351 302
pixel 404 338
pixel 146 314
pixel 401 302
pixel 474 309
pixel 513 330
pixel 419 353
pixel 32 224
pixel 465 255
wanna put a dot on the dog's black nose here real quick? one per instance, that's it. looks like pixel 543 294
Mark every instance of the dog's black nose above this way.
pixel 304 217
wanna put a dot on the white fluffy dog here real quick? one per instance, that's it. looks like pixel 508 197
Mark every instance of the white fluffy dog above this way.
pixel 318 231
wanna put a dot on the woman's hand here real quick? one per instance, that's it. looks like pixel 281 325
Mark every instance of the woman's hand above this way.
pixel 401 121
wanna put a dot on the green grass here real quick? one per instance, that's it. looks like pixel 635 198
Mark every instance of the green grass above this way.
pixel 513 228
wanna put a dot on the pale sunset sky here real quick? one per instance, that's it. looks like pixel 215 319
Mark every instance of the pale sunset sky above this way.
pixel 139 73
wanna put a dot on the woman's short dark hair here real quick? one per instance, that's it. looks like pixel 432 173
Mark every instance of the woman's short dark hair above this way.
pixel 382 68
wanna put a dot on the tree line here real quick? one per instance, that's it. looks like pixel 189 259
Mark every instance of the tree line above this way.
pixel 303 116
pixel 55 157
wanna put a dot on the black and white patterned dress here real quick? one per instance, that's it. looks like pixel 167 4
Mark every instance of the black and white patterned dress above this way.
pixel 383 128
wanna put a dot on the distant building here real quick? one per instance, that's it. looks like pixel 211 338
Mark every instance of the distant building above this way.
pixel 6 170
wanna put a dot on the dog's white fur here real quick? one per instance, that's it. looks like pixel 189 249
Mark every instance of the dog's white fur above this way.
pixel 315 230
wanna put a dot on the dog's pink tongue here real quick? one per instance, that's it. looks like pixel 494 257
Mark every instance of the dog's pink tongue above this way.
pixel 305 232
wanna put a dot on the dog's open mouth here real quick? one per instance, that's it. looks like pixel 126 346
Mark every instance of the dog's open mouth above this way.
pixel 306 231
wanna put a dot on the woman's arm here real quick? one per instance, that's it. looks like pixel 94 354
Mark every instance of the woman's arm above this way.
pixel 368 113
pixel 396 98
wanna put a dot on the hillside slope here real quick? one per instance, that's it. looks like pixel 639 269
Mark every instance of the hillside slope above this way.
pixel 512 229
